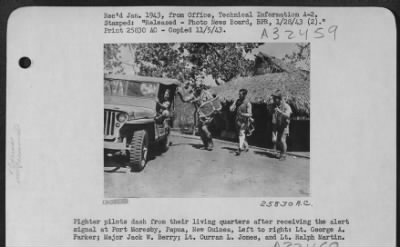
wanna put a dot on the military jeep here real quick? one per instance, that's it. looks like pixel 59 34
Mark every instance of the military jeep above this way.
pixel 131 125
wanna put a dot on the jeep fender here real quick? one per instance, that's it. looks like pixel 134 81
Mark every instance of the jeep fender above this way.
pixel 140 124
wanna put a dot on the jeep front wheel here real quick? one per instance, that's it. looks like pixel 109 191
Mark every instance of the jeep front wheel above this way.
pixel 138 150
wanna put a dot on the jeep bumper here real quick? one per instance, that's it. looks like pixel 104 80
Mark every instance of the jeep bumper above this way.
pixel 116 145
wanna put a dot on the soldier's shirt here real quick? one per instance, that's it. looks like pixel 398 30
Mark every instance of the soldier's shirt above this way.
pixel 166 106
pixel 242 107
pixel 279 120
pixel 204 97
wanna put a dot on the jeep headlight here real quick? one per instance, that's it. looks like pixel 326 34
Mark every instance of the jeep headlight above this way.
pixel 122 117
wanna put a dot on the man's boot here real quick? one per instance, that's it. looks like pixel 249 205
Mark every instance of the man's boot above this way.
pixel 246 146
pixel 204 140
pixel 210 144
pixel 282 157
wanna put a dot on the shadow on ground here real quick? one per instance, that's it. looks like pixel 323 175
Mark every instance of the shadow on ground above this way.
pixel 262 153
pixel 200 147
pixel 230 149
pixel 266 154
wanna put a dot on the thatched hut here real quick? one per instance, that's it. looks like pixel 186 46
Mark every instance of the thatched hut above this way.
pixel 294 87
pixel 271 74
pixel 296 90
pixel 265 64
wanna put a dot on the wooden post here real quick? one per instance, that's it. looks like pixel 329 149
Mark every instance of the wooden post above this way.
pixel 194 120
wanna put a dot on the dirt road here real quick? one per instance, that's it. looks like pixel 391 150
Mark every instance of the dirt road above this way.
pixel 187 171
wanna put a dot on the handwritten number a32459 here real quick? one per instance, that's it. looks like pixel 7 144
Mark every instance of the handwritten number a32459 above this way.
pixel 301 33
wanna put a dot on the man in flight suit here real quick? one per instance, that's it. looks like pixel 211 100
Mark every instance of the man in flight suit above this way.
pixel 280 123
pixel 242 108
pixel 198 97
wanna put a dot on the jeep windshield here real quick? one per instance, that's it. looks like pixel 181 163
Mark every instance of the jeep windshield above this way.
pixel 130 88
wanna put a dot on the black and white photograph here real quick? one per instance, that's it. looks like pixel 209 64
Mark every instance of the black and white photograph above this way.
pixel 206 120
pixel 222 126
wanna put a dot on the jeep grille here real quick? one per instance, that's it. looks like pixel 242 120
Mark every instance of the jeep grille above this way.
pixel 109 122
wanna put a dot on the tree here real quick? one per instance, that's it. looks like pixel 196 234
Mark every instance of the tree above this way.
pixel 111 61
pixel 301 55
pixel 183 61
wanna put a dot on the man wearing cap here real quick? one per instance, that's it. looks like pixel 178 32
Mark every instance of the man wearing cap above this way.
pixel 243 120
pixel 280 123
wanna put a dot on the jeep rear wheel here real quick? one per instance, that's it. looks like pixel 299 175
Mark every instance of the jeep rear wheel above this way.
pixel 138 150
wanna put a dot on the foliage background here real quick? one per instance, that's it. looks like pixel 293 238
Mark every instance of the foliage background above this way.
pixel 223 67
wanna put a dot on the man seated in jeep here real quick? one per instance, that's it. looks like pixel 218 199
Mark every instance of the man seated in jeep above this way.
pixel 164 108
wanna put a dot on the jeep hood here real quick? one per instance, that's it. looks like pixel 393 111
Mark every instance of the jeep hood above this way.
pixel 140 107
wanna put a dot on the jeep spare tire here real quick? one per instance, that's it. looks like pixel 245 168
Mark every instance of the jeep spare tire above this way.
pixel 138 150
